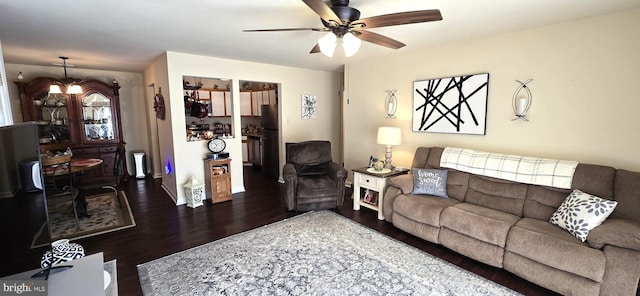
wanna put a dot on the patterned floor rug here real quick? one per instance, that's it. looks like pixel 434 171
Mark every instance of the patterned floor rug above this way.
pixel 317 253
pixel 106 214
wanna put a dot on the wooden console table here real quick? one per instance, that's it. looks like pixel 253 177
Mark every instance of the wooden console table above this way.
pixel 218 179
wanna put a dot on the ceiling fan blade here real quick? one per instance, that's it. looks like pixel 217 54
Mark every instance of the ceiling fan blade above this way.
pixel 401 18
pixel 323 10
pixel 378 39
pixel 286 29
pixel 315 49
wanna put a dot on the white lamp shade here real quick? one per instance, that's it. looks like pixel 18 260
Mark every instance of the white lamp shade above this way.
pixel 74 89
pixel 55 89
pixel 389 135
pixel 328 44
pixel 350 44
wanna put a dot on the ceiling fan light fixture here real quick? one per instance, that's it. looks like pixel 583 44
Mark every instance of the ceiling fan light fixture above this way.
pixel 350 44
pixel 328 44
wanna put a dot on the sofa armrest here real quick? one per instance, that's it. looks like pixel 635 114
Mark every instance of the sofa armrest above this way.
pixel 622 233
pixel 290 177
pixel 339 174
pixel 403 182
pixel 336 171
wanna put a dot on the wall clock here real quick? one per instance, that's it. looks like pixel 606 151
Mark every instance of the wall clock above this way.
pixel 216 145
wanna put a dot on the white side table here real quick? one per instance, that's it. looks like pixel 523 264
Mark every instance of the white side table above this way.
pixel 369 186
pixel 86 278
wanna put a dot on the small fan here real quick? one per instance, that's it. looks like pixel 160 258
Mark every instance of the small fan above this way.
pixel 345 22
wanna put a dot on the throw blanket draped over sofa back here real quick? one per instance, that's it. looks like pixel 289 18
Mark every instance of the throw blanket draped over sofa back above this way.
pixel 523 169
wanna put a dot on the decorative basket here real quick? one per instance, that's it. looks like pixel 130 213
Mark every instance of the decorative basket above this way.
pixel 46 161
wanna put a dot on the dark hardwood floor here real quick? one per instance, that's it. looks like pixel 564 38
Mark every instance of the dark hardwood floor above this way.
pixel 163 228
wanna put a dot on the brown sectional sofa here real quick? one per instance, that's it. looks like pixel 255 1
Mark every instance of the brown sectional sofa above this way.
pixel 505 224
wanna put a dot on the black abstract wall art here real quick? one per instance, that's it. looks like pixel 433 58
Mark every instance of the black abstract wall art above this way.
pixel 451 105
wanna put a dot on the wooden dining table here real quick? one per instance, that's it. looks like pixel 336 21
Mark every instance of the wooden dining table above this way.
pixel 78 165
pixel 84 164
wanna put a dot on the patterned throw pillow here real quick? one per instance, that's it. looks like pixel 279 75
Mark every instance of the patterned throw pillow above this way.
pixel 430 181
pixel 581 212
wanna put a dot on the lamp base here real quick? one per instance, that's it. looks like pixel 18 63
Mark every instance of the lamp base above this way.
pixel 387 157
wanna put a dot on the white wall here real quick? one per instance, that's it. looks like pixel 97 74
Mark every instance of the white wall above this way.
pixel 585 99
pixel 187 156
pixel 131 98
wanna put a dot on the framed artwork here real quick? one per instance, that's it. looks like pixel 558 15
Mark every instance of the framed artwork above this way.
pixel 372 160
pixel 369 196
pixel 309 107
pixel 455 105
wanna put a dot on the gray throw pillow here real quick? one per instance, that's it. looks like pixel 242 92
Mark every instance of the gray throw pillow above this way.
pixel 430 181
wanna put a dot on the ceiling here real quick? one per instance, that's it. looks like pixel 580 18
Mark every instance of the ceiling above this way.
pixel 126 35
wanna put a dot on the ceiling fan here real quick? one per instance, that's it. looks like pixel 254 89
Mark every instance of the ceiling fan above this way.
pixel 342 21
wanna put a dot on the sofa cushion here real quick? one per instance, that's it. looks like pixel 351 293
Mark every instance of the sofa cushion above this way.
pixel 316 186
pixel 541 202
pixel 403 182
pixel 420 157
pixel 484 224
pixel 501 195
pixel 595 179
pixel 550 245
pixel 627 194
pixel 457 184
pixel 430 181
pixel 422 208
pixel 580 212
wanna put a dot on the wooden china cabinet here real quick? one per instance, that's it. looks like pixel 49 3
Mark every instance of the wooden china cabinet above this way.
pixel 88 123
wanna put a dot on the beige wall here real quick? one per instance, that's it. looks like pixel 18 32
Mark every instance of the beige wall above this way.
pixel 585 99
pixel 131 98
pixel 160 140
pixel 187 156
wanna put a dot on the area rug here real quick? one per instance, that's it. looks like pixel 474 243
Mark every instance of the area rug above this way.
pixel 112 288
pixel 317 253
pixel 107 212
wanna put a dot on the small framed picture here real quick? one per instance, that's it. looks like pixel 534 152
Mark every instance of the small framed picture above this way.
pixel 370 197
pixel 372 160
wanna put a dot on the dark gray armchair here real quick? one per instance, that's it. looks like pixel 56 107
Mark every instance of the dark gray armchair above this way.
pixel 313 180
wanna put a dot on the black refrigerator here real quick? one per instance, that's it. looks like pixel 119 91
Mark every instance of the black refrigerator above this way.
pixel 270 147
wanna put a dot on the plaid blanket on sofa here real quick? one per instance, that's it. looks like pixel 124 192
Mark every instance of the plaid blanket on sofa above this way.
pixel 523 169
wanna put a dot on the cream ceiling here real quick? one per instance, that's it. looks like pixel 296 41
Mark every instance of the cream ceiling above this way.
pixel 127 35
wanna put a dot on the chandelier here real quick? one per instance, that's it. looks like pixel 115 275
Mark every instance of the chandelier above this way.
pixel 72 88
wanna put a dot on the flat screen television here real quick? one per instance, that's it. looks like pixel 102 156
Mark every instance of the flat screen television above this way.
pixel 23 206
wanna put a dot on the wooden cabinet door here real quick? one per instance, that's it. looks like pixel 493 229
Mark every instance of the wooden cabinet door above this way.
pixel 273 97
pixel 245 103
pixel 227 103
pixel 218 103
pixel 256 102
pixel 221 188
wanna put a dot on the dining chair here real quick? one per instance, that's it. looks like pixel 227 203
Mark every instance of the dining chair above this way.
pixel 90 183
pixel 58 182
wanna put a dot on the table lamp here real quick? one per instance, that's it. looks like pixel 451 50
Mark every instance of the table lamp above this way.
pixel 388 136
